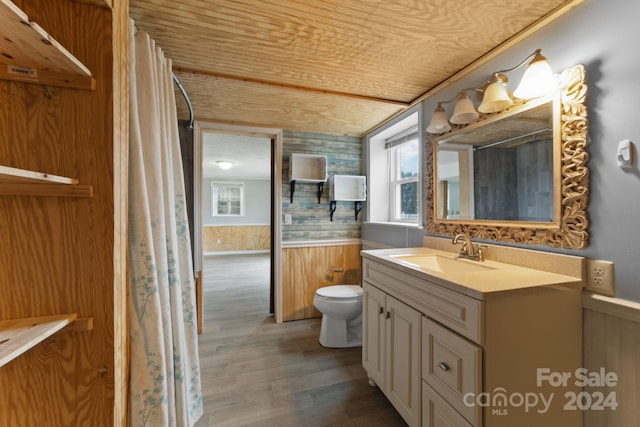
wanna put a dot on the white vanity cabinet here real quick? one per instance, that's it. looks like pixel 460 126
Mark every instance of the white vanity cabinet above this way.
pixel 391 354
pixel 449 355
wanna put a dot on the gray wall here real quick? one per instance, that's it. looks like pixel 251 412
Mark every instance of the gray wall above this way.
pixel 257 198
pixel 602 35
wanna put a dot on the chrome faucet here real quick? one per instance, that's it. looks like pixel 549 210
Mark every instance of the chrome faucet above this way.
pixel 469 250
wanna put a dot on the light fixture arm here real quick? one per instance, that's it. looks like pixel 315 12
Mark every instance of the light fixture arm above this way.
pixel 524 61
pixel 497 74
pixel 457 96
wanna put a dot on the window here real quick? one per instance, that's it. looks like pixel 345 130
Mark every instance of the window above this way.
pixel 395 173
pixel 403 159
pixel 227 198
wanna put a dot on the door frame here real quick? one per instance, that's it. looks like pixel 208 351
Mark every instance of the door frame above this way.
pixel 276 204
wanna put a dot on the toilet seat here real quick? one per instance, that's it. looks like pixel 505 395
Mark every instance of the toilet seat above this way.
pixel 340 292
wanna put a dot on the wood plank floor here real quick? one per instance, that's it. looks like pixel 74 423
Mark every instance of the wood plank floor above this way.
pixel 258 373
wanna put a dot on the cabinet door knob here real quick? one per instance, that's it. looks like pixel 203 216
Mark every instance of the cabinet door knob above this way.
pixel 443 366
pixel 388 314
pixel 380 310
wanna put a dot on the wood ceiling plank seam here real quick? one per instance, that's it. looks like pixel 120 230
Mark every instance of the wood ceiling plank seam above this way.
pixel 292 87
pixel 376 99
pixel 345 117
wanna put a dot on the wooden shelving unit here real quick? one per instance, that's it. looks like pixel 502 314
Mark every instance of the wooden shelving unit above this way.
pixel 29 54
pixel 22 182
pixel 54 364
pixel 19 335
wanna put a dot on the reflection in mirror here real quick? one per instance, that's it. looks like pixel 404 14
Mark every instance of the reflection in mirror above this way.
pixel 503 171
pixel 516 176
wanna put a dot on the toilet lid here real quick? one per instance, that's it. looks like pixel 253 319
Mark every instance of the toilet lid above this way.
pixel 340 291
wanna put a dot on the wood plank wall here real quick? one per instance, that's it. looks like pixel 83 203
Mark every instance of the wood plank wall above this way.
pixel 57 254
pixel 236 238
pixel 613 343
pixel 311 219
pixel 306 269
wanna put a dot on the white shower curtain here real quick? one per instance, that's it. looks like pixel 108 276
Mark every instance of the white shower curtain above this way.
pixel 165 374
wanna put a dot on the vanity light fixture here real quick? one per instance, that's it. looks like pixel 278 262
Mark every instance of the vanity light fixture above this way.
pixel 496 95
pixel 464 111
pixel 439 121
pixel 224 164
pixel 537 81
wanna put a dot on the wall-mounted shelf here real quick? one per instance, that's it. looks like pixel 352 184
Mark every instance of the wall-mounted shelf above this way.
pixel 347 188
pixel 307 168
pixel 22 182
pixel 29 54
pixel 19 335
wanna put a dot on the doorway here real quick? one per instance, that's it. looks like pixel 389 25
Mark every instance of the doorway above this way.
pixel 242 199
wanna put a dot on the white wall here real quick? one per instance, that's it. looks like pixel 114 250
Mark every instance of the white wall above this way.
pixel 257 197
pixel 604 36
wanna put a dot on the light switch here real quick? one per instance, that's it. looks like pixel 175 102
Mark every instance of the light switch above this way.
pixel 287 219
pixel 625 154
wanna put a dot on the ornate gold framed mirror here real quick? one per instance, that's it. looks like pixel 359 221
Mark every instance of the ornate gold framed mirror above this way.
pixel 516 176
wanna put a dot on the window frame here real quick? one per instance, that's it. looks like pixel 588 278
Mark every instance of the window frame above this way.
pixel 215 185
pixel 378 207
pixel 396 181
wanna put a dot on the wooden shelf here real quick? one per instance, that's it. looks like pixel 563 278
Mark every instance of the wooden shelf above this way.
pixel 29 54
pixel 102 3
pixel 22 182
pixel 19 335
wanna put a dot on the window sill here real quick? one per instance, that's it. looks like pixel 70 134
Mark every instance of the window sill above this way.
pixel 397 224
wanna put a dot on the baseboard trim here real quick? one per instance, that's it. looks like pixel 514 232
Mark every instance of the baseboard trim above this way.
pixel 319 243
pixel 617 307
pixel 260 251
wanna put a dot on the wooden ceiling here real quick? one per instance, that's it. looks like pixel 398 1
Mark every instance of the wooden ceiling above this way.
pixel 329 66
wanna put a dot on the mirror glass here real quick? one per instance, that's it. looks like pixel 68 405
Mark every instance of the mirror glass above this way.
pixel 517 176
pixel 503 170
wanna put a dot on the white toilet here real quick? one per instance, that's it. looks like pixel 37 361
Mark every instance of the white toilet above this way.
pixel 341 308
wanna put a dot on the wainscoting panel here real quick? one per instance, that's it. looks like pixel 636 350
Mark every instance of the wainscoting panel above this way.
pixel 236 238
pixel 306 269
pixel 612 342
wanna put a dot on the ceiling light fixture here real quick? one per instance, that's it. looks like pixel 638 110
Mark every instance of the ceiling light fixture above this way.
pixel 224 164
pixel 537 81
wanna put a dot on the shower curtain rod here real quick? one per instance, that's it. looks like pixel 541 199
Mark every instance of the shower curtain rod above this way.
pixel 186 98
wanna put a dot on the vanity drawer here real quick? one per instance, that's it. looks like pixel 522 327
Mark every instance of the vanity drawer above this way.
pixel 452 309
pixel 452 366
pixel 436 412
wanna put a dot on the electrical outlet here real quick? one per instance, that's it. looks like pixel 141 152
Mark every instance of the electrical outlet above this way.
pixel 600 277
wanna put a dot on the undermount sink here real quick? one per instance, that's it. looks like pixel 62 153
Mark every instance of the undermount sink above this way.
pixel 442 264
